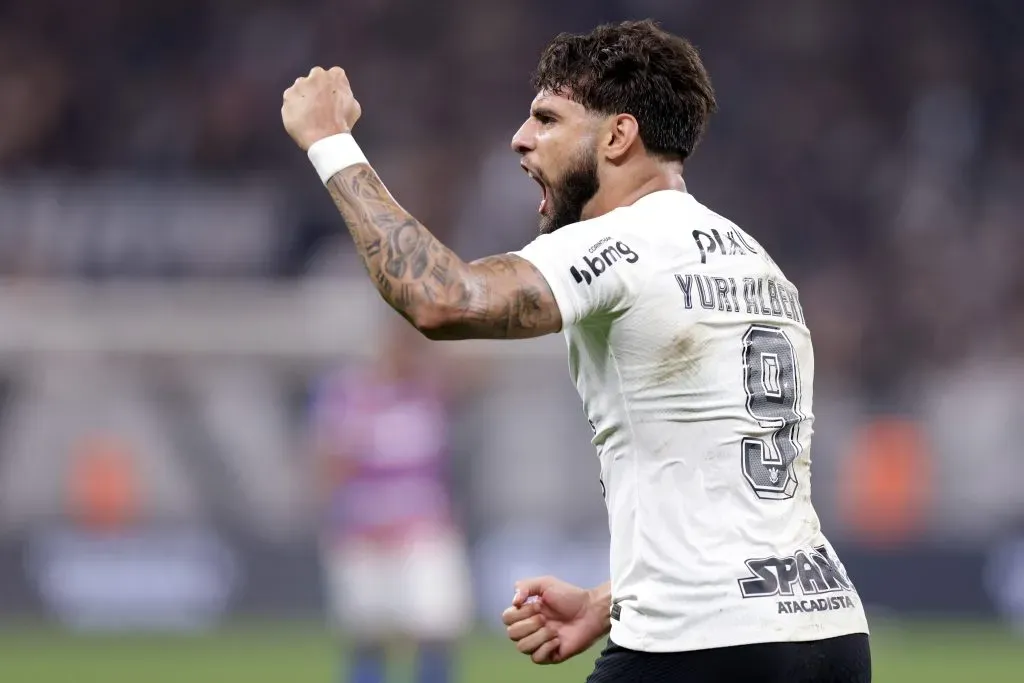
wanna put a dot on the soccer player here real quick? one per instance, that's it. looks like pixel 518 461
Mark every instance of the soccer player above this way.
pixel 394 558
pixel 688 347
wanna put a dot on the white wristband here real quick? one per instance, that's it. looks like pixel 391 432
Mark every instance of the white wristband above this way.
pixel 334 153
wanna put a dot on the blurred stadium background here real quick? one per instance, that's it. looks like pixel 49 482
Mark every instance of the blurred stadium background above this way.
pixel 175 281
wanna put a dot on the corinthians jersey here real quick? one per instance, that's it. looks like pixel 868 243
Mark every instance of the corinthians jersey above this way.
pixel 690 351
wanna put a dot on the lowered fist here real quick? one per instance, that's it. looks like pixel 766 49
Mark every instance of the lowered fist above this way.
pixel 319 105
pixel 551 620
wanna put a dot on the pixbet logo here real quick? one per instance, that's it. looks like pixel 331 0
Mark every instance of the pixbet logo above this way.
pixel 602 261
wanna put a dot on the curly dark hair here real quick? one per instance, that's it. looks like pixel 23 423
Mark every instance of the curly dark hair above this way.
pixel 636 68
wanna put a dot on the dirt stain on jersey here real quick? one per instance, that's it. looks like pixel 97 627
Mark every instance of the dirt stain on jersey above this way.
pixel 680 358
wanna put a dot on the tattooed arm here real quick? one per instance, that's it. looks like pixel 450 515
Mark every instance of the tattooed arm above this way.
pixel 498 297
pixel 444 297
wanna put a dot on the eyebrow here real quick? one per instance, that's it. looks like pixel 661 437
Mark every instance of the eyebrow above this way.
pixel 542 110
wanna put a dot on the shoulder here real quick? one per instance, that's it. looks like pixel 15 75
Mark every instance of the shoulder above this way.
pixel 587 266
pixel 590 246
pixel 616 230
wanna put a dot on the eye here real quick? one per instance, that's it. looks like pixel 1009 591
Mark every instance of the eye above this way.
pixel 543 118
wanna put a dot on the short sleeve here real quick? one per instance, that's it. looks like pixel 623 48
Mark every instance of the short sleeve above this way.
pixel 590 272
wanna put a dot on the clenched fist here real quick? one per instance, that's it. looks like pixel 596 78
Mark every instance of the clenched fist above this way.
pixel 319 105
pixel 551 620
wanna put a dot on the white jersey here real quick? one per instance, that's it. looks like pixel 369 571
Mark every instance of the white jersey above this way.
pixel 690 351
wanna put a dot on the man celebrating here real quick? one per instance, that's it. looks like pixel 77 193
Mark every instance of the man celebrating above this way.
pixel 688 347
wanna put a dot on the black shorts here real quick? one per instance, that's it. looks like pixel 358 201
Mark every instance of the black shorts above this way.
pixel 846 659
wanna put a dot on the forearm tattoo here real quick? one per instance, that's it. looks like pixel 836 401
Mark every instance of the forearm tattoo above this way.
pixel 496 297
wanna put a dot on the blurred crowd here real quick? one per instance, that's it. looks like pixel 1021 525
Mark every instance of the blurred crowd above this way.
pixel 876 149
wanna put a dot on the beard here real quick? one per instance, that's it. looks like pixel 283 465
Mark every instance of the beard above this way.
pixel 570 194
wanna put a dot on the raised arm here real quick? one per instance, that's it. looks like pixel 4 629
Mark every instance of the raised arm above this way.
pixel 499 297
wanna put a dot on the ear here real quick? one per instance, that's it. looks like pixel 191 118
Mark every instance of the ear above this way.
pixel 622 133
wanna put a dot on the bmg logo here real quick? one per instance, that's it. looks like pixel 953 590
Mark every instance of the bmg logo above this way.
pixel 602 261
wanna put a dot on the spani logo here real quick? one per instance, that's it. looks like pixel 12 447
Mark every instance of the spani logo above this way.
pixel 602 261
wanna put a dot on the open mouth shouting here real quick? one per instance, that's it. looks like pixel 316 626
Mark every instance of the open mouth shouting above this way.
pixel 543 187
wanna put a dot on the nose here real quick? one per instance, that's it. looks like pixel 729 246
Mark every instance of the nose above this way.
pixel 522 141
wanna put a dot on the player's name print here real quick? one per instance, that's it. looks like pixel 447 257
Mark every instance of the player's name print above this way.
pixel 762 295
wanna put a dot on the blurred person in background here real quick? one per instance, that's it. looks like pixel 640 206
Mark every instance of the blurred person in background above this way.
pixel 394 557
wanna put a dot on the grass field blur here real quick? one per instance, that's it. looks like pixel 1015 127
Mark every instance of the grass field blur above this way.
pixel 277 653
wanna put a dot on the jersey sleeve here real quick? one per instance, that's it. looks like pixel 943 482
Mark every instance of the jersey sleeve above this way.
pixel 591 272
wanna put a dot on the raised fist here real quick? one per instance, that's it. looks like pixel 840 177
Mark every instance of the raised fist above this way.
pixel 319 105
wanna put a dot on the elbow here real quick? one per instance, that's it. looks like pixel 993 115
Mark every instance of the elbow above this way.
pixel 444 314
pixel 435 322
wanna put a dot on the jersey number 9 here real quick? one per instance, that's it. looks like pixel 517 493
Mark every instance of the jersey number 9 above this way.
pixel 772 382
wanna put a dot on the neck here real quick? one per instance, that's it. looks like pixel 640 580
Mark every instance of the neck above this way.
pixel 614 195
